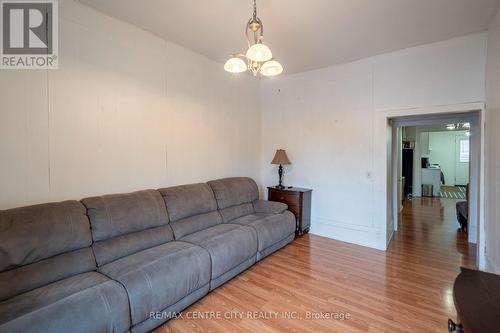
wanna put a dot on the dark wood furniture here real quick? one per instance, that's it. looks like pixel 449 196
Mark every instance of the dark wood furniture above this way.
pixel 477 300
pixel 299 203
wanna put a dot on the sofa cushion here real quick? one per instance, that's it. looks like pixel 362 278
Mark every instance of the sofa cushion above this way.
pixel 188 200
pixel 195 223
pixel 87 302
pixel 123 224
pixel 228 244
pixel 119 247
pixel 190 208
pixel 234 191
pixel 42 244
pixel 119 214
pixel 17 281
pixel 235 196
pixel 160 276
pixel 270 228
pixel 269 207
pixel 230 213
pixel 30 234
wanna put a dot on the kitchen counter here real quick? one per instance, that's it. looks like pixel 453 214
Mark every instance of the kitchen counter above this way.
pixel 432 176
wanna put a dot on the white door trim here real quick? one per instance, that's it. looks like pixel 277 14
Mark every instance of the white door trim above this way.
pixel 471 112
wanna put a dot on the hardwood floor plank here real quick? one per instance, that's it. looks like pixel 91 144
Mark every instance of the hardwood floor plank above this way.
pixel 406 289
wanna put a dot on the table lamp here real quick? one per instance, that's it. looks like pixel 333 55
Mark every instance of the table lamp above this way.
pixel 280 159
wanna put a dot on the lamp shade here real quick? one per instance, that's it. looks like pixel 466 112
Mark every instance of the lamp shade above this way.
pixel 259 52
pixel 235 65
pixel 271 68
pixel 280 158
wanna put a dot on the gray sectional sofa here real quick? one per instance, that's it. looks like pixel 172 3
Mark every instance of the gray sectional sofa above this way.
pixel 107 263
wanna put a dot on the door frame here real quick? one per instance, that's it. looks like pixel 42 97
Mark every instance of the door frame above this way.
pixel 472 113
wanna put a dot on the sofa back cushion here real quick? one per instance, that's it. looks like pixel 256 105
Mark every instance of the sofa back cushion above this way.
pixel 42 244
pixel 235 196
pixel 190 208
pixel 123 224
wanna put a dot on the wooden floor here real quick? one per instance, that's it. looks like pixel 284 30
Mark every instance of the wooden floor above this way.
pixel 406 289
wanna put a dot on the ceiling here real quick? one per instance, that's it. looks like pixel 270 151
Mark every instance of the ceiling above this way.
pixel 305 34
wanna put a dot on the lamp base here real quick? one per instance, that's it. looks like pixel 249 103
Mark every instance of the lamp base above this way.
pixel 280 175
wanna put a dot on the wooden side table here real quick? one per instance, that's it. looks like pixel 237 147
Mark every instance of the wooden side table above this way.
pixel 299 203
pixel 477 300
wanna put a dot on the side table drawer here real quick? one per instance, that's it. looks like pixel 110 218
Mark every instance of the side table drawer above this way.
pixel 290 199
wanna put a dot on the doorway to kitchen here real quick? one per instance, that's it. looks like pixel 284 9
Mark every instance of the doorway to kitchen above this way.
pixel 436 182
pixel 443 160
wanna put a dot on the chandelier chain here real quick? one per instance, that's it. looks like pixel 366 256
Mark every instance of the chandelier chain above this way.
pixel 254 9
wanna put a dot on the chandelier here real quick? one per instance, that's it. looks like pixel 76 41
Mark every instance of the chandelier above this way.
pixel 259 58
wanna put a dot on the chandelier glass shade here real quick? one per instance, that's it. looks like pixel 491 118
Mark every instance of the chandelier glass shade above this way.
pixel 271 68
pixel 258 59
pixel 259 52
pixel 235 65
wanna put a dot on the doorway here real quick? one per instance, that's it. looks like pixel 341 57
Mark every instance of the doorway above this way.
pixel 462 165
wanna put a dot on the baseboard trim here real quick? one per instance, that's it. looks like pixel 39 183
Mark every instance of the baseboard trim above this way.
pixel 363 236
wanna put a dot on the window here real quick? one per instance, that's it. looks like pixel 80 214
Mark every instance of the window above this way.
pixel 464 151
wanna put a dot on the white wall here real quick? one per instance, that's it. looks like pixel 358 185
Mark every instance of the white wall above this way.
pixel 443 152
pixel 125 111
pixel 492 149
pixel 333 124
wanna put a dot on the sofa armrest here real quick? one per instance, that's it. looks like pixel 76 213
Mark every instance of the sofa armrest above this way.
pixel 269 207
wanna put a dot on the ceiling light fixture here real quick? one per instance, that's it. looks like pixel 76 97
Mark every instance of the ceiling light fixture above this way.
pixel 459 126
pixel 259 58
